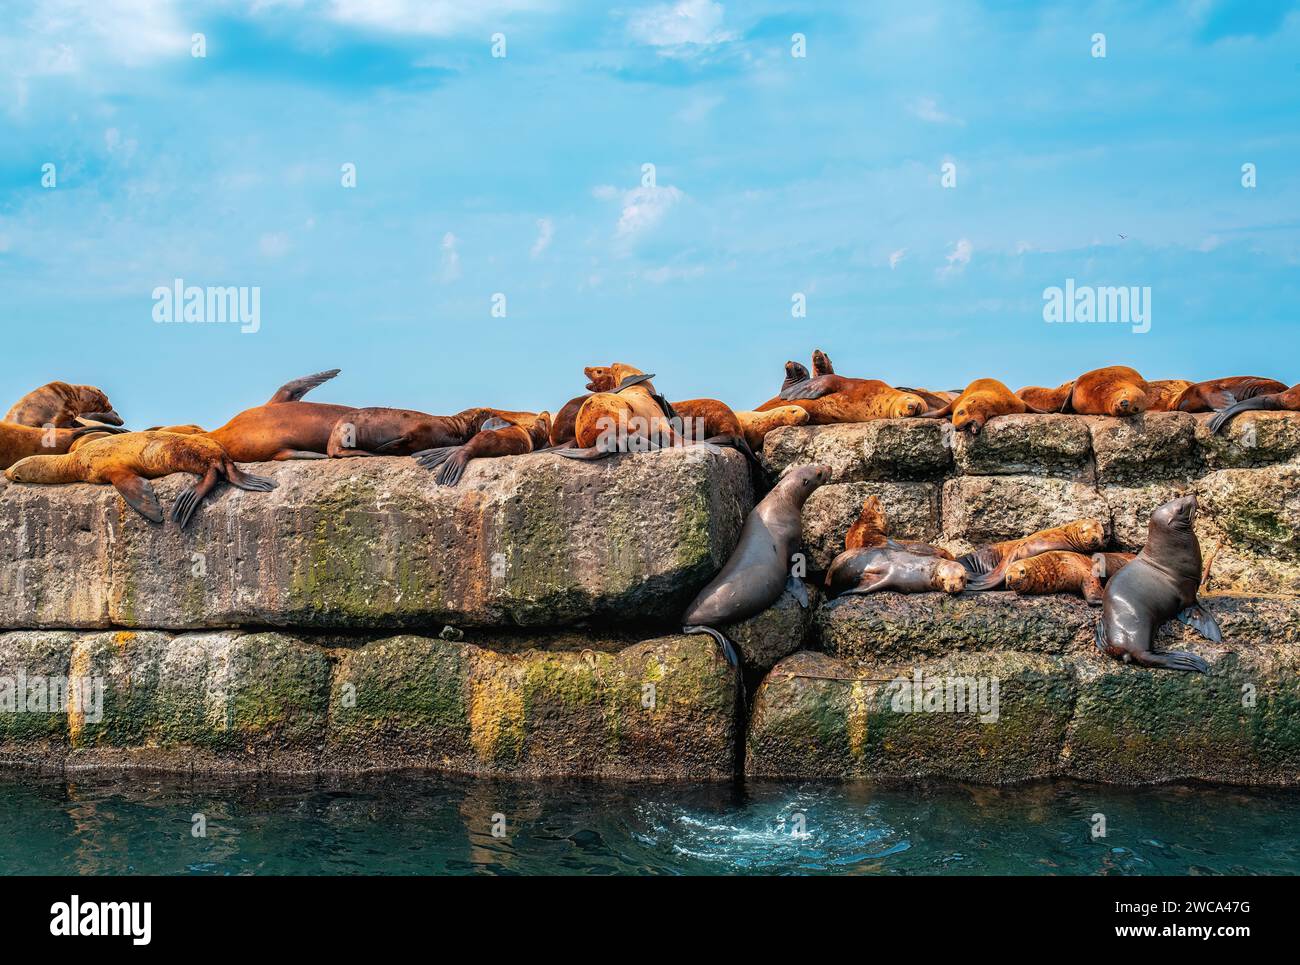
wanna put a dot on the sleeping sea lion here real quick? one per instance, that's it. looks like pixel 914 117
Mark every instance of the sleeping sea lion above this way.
pixel 759 569
pixel 1058 571
pixel 832 399
pixel 933 400
pixel 1163 393
pixel 377 431
pixel 982 400
pixel 128 461
pixel 1161 583
pixel 987 566
pixel 564 425
pixel 1047 400
pixel 756 425
pixel 1221 393
pixel 862 571
pixel 1284 401
pixel 503 434
pixel 869 531
pixel 59 404
pixel 1116 390
pixel 285 427
pixel 19 441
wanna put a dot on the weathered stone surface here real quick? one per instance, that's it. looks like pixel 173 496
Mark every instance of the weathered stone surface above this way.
pixel 32 663
pixel 1251 439
pixel 1130 509
pixel 777 632
pixel 893 449
pixel 816 716
pixel 1151 446
pixel 986 509
pixel 911 508
pixel 1256 508
pixel 1025 444
pixel 373 543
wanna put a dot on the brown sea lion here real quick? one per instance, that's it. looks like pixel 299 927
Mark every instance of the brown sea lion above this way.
pixel 285 427
pixel 59 404
pixel 1161 583
pixel 832 399
pixel 933 400
pixel 378 431
pixel 1106 565
pixel 19 441
pixel 128 461
pixel 1116 390
pixel 757 425
pixel 507 434
pixel 869 531
pixel 188 429
pixel 987 566
pixel 1058 571
pixel 1163 393
pixel 564 425
pixel 1045 399
pixel 862 571
pixel 632 417
pixel 759 568
pixel 982 400
pixel 1287 400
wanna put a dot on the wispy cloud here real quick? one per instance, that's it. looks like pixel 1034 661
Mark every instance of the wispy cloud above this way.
pixel 449 270
pixel 957 259
pixel 681 24
pixel 927 109
pixel 545 232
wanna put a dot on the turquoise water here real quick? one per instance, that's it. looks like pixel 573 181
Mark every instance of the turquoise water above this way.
pixel 422 824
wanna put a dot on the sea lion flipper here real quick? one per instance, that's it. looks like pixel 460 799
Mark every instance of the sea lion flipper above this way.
pixel 453 468
pixel 667 407
pixel 495 422
pixel 798 590
pixel 631 380
pixel 595 452
pixel 248 481
pixel 295 390
pixel 1226 415
pixel 433 458
pixel 1202 621
pixel 1174 660
pixel 728 650
pixel 812 389
pixel 139 495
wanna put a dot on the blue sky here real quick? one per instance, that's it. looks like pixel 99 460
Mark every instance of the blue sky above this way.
pixel 522 175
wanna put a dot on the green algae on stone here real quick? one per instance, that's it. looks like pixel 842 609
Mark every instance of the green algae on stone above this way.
pixel 34 677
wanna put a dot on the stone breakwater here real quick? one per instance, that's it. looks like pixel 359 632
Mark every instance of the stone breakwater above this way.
pixel 303 630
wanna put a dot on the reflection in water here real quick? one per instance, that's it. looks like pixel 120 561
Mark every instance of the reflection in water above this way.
pixel 427 824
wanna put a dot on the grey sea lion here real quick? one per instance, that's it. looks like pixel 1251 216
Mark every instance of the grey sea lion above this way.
pixel 892 567
pixel 1161 583
pixel 759 568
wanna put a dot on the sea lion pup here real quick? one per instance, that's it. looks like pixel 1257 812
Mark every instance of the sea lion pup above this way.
pixel 868 531
pixel 633 417
pixel 1163 393
pixel 504 434
pixel 128 461
pixel 1116 390
pixel 1058 571
pixel 1287 400
pixel 285 427
pixel 377 431
pixel 987 565
pixel 759 569
pixel 982 400
pixel 1221 393
pixel 1161 583
pixel 18 441
pixel 59 404
pixel 756 425
pixel 862 571
pixel 1045 399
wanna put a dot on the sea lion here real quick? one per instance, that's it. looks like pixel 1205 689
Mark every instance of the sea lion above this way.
pixel 869 531
pixel 59 404
pixel 756 425
pixel 1106 565
pixel 564 425
pixel 1161 583
pixel 1163 393
pixel 933 400
pixel 632 417
pixel 503 434
pixel 832 399
pixel 285 427
pixel 759 569
pixel 1058 571
pixel 987 566
pixel 1045 399
pixel 128 461
pixel 982 400
pixel 20 441
pixel 862 571
pixel 1284 401
pixel 1116 390
pixel 1221 393
pixel 821 364
pixel 377 431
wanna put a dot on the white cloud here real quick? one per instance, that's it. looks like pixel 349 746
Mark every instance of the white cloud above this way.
pixel 644 207
pixel 684 22
pixel 927 109
pixel 958 258
pixel 450 269
pixel 895 257
pixel 545 232
pixel 273 245
pixel 604 192
pixel 699 109
pixel 436 18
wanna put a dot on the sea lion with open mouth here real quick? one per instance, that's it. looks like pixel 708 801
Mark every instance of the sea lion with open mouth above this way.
pixel 1161 583
pixel 60 405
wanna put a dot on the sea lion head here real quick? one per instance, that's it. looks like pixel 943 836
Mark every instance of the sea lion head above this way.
pixel 1129 399
pixel 907 406
pixel 1175 514
pixel 822 363
pixel 94 405
pixel 788 415
pixel 950 576
pixel 800 481
pixel 967 417
pixel 1017 575
pixel 539 429
pixel 794 372
pixel 1087 534
pixel 20 471
pixel 600 378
